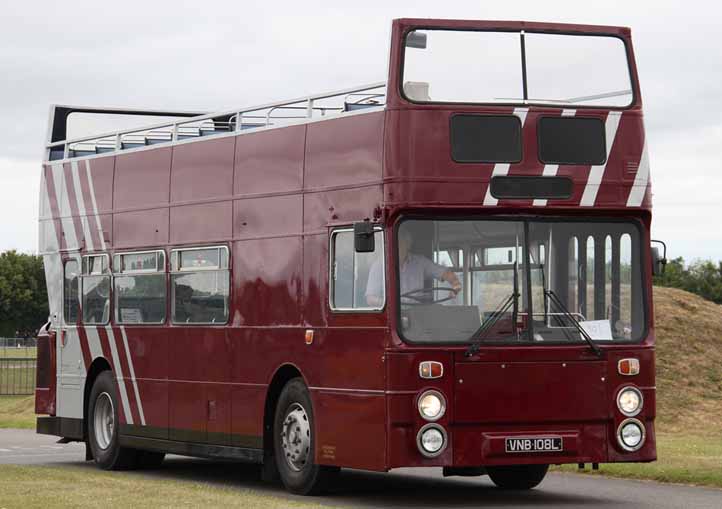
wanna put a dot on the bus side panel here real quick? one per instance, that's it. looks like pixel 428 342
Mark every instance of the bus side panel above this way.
pixel 148 362
pixel 199 364
pixel 265 330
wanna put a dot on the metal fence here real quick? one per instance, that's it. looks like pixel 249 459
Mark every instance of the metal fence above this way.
pixel 17 366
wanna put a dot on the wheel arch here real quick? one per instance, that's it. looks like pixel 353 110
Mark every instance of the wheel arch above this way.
pixel 280 378
pixel 99 365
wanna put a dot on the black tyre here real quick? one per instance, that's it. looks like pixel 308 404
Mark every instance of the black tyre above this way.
pixel 103 426
pixel 294 442
pixel 149 460
pixel 517 477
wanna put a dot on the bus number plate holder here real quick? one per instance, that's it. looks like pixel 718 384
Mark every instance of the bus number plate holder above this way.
pixel 533 444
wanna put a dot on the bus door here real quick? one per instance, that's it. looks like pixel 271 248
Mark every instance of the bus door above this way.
pixel 71 370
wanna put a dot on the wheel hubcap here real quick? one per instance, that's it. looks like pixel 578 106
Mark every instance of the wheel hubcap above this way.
pixel 104 420
pixel 296 437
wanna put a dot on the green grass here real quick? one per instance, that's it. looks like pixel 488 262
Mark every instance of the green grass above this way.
pixel 682 458
pixel 23 352
pixel 17 412
pixel 59 487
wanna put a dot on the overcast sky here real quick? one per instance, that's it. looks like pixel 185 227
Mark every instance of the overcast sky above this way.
pixel 206 55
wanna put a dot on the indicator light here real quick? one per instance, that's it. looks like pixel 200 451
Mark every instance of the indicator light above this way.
pixel 431 369
pixel 628 367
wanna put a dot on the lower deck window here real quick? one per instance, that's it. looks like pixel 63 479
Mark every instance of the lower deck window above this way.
pixel 140 287
pixel 200 286
pixel 96 290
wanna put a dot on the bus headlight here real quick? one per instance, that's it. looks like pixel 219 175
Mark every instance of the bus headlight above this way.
pixel 432 405
pixel 631 435
pixel 431 440
pixel 629 401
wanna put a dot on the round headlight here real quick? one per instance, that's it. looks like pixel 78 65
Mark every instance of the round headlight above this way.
pixel 631 435
pixel 629 401
pixel 432 405
pixel 431 440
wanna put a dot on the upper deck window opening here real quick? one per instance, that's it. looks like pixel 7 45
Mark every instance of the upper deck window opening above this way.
pixel 513 67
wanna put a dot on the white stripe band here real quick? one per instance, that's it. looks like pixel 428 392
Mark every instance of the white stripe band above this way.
pixel 95 205
pixel 81 205
pixel 61 195
pixel 597 172
pixel 501 169
pixel 550 170
pixel 96 350
pixel 636 194
pixel 132 375
pixel 119 376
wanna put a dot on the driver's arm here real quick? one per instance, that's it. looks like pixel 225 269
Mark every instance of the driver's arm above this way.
pixel 452 279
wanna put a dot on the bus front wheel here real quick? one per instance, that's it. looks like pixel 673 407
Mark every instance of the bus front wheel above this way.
pixel 294 441
pixel 517 477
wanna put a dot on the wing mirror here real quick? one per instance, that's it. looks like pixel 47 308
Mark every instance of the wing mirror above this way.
pixel 659 262
pixel 363 234
pixel 416 39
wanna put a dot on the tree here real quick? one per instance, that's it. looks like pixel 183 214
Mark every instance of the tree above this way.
pixel 23 294
pixel 701 277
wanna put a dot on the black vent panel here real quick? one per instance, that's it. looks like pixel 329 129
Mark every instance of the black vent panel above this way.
pixel 485 139
pixel 529 188
pixel 570 140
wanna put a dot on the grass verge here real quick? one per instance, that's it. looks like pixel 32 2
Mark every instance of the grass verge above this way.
pixel 17 412
pixel 58 487
pixel 684 459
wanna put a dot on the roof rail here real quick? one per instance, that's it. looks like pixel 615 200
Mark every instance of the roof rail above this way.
pixel 196 125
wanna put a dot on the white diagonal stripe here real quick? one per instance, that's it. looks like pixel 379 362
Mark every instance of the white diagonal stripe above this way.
pixel 119 376
pixel 81 205
pixel 636 194
pixel 501 169
pixel 550 170
pixel 61 194
pixel 96 350
pixel 132 376
pixel 95 205
pixel 589 197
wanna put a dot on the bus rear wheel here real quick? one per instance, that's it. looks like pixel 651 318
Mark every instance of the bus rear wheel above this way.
pixel 103 426
pixel 517 477
pixel 294 441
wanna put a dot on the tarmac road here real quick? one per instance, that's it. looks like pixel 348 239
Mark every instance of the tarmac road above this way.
pixel 402 488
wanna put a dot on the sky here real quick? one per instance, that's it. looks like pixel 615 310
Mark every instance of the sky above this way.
pixel 210 56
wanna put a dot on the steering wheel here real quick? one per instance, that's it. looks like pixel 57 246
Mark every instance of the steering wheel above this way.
pixel 426 295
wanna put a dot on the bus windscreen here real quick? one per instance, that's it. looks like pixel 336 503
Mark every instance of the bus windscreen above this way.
pixel 453 66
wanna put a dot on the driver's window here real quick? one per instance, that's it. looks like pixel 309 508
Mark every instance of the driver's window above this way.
pixel 357 280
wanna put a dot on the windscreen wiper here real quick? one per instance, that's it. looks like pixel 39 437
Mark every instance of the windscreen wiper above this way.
pixel 554 298
pixel 511 301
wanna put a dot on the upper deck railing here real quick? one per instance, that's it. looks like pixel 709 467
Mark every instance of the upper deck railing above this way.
pixel 193 127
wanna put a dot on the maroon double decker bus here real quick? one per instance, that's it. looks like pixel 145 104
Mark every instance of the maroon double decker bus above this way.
pixel 451 268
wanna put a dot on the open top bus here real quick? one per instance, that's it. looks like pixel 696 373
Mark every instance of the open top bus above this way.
pixel 450 268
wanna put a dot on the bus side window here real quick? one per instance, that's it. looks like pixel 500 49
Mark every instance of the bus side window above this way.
pixel 140 287
pixel 70 293
pixel 357 280
pixel 96 289
pixel 200 285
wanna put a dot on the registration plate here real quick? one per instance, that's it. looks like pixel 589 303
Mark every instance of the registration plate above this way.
pixel 534 444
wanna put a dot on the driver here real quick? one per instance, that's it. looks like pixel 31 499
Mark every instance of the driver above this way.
pixel 415 269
